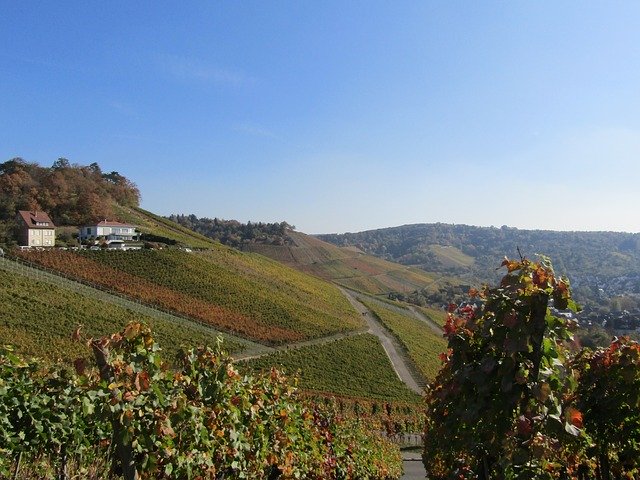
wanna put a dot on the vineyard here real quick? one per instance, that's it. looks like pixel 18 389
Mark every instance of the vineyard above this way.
pixel 132 417
pixel 437 315
pixel 244 294
pixel 420 342
pixel 450 257
pixel 517 398
pixel 38 319
pixel 393 417
pixel 347 267
pixel 356 366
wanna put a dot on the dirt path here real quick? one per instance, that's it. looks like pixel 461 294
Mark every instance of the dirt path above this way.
pixel 389 344
pixel 291 346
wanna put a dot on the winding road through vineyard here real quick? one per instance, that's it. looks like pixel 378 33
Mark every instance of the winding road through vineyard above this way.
pixel 400 362
pixel 402 365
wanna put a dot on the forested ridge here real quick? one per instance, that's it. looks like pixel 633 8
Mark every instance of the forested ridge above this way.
pixel 597 263
pixel 234 233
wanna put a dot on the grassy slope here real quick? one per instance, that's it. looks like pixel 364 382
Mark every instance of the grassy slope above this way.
pixel 347 266
pixel 422 345
pixel 451 256
pixel 39 319
pixel 356 366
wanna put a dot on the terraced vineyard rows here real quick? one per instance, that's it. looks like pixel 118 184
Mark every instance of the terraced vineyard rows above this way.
pixel 421 343
pixel 245 294
pixel 132 416
pixel 354 366
pixel 39 318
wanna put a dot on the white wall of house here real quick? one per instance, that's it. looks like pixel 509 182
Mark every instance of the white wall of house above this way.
pixel 41 237
pixel 109 232
pixel 106 231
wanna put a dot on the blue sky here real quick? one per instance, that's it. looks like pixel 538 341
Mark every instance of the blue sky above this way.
pixel 338 116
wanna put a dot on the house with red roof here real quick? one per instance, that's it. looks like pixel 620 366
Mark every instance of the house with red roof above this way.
pixel 36 229
pixel 109 230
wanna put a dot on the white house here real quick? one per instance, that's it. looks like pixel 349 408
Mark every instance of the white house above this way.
pixel 109 231
pixel 36 229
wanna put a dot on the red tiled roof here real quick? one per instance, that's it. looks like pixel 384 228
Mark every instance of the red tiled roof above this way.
pixel 32 219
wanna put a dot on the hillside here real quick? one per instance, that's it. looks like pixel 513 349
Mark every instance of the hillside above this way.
pixel 38 317
pixel 191 288
pixel 348 267
pixel 599 264
pixel 158 229
pixel 356 366
pixel 241 293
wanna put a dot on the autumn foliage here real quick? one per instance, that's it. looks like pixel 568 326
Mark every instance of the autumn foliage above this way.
pixel 70 194
pixel 87 269
pixel 143 420
pixel 515 398
pixel 609 397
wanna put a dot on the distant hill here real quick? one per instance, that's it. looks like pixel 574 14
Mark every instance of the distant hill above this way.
pixel 600 265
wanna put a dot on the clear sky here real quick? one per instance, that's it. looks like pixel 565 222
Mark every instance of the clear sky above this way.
pixel 338 116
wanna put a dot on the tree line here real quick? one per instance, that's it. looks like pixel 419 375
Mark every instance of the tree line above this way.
pixel 234 233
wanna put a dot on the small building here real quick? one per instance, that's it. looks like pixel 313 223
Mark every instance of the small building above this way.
pixel 36 229
pixel 109 231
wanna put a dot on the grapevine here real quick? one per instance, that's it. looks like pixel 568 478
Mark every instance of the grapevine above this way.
pixel 202 420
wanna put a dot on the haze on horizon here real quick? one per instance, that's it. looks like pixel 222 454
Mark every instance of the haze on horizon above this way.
pixel 338 116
